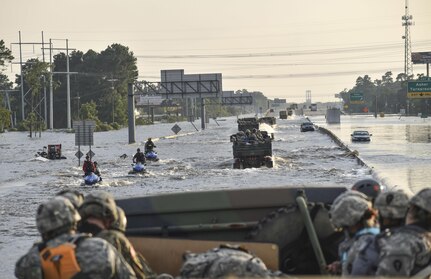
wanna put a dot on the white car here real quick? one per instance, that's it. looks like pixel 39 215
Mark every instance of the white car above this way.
pixel 361 136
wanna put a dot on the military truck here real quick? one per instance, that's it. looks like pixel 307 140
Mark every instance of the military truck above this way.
pixel 248 123
pixel 268 120
pixel 252 154
pixel 287 227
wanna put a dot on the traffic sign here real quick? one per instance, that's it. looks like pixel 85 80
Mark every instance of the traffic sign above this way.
pixel 79 154
pixel 84 132
pixel 176 129
pixel 91 154
pixel 356 98
pixel 419 89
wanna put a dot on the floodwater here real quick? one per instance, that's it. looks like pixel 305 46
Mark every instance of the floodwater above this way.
pixel 399 150
pixel 195 161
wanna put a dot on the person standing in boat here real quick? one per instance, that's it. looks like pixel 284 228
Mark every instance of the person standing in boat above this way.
pixel 139 157
pixel 353 213
pixel 149 146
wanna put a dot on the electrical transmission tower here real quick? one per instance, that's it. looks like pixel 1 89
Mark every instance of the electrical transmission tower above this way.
pixel 407 21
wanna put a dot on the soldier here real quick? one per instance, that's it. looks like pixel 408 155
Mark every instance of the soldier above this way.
pixel 74 196
pixel 65 254
pixel 99 214
pixel 407 251
pixel 120 225
pixel 224 262
pixel 392 207
pixel 370 187
pixel 353 213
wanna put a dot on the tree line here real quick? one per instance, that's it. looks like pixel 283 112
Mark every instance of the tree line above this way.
pixel 385 95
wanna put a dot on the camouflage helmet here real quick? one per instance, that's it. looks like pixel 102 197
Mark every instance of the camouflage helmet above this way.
pixel 348 208
pixel 223 262
pixel 55 214
pixel 99 205
pixel 392 204
pixel 369 187
pixel 120 223
pixel 74 196
pixel 422 199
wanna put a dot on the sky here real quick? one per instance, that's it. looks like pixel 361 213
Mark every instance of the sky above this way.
pixel 279 47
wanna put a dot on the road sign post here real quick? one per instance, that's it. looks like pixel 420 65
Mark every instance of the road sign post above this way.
pixel 84 136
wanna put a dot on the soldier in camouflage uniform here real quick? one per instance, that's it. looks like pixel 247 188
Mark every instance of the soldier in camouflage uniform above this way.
pixel 225 261
pixel 353 213
pixel 392 207
pixel 74 196
pixel 99 213
pixel 407 251
pixel 65 254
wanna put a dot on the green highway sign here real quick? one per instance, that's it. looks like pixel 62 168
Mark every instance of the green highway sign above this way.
pixel 419 89
pixel 357 98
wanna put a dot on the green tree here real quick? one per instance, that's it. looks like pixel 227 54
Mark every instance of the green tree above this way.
pixel 5 55
pixel 4 119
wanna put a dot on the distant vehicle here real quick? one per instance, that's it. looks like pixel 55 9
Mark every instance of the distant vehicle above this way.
pixel 249 123
pixel 307 127
pixel 361 136
pixel 252 154
pixel 267 120
pixel 313 107
pixel 52 152
pixel 283 114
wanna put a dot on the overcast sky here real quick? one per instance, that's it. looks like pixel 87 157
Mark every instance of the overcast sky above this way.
pixel 279 47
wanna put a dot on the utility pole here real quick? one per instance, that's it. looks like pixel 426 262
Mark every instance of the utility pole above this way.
pixel 406 22
pixel 112 80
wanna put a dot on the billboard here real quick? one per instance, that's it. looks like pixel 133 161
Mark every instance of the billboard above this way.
pixel 421 57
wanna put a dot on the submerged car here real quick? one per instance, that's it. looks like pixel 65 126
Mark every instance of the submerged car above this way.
pixel 307 126
pixel 361 136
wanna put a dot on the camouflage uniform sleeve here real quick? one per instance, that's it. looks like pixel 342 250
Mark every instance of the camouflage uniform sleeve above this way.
pixel 99 259
pixel 365 262
pixel 125 248
pixel 396 257
pixel 29 266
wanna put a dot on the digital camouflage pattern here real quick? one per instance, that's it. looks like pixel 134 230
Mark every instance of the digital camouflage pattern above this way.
pixel 392 204
pixel 405 252
pixel 222 262
pixel 96 258
pixel 125 248
pixel 359 243
pixel 120 223
pixel 55 214
pixel 423 199
pixel 74 196
pixel 100 205
pixel 348 208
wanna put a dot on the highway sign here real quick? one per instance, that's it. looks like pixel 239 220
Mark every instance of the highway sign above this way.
pixel 84 132
pixel 79 154
pixel 176 129
pixel 421 57
pixel 90 154
pixel 419 89
pixel 357 98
